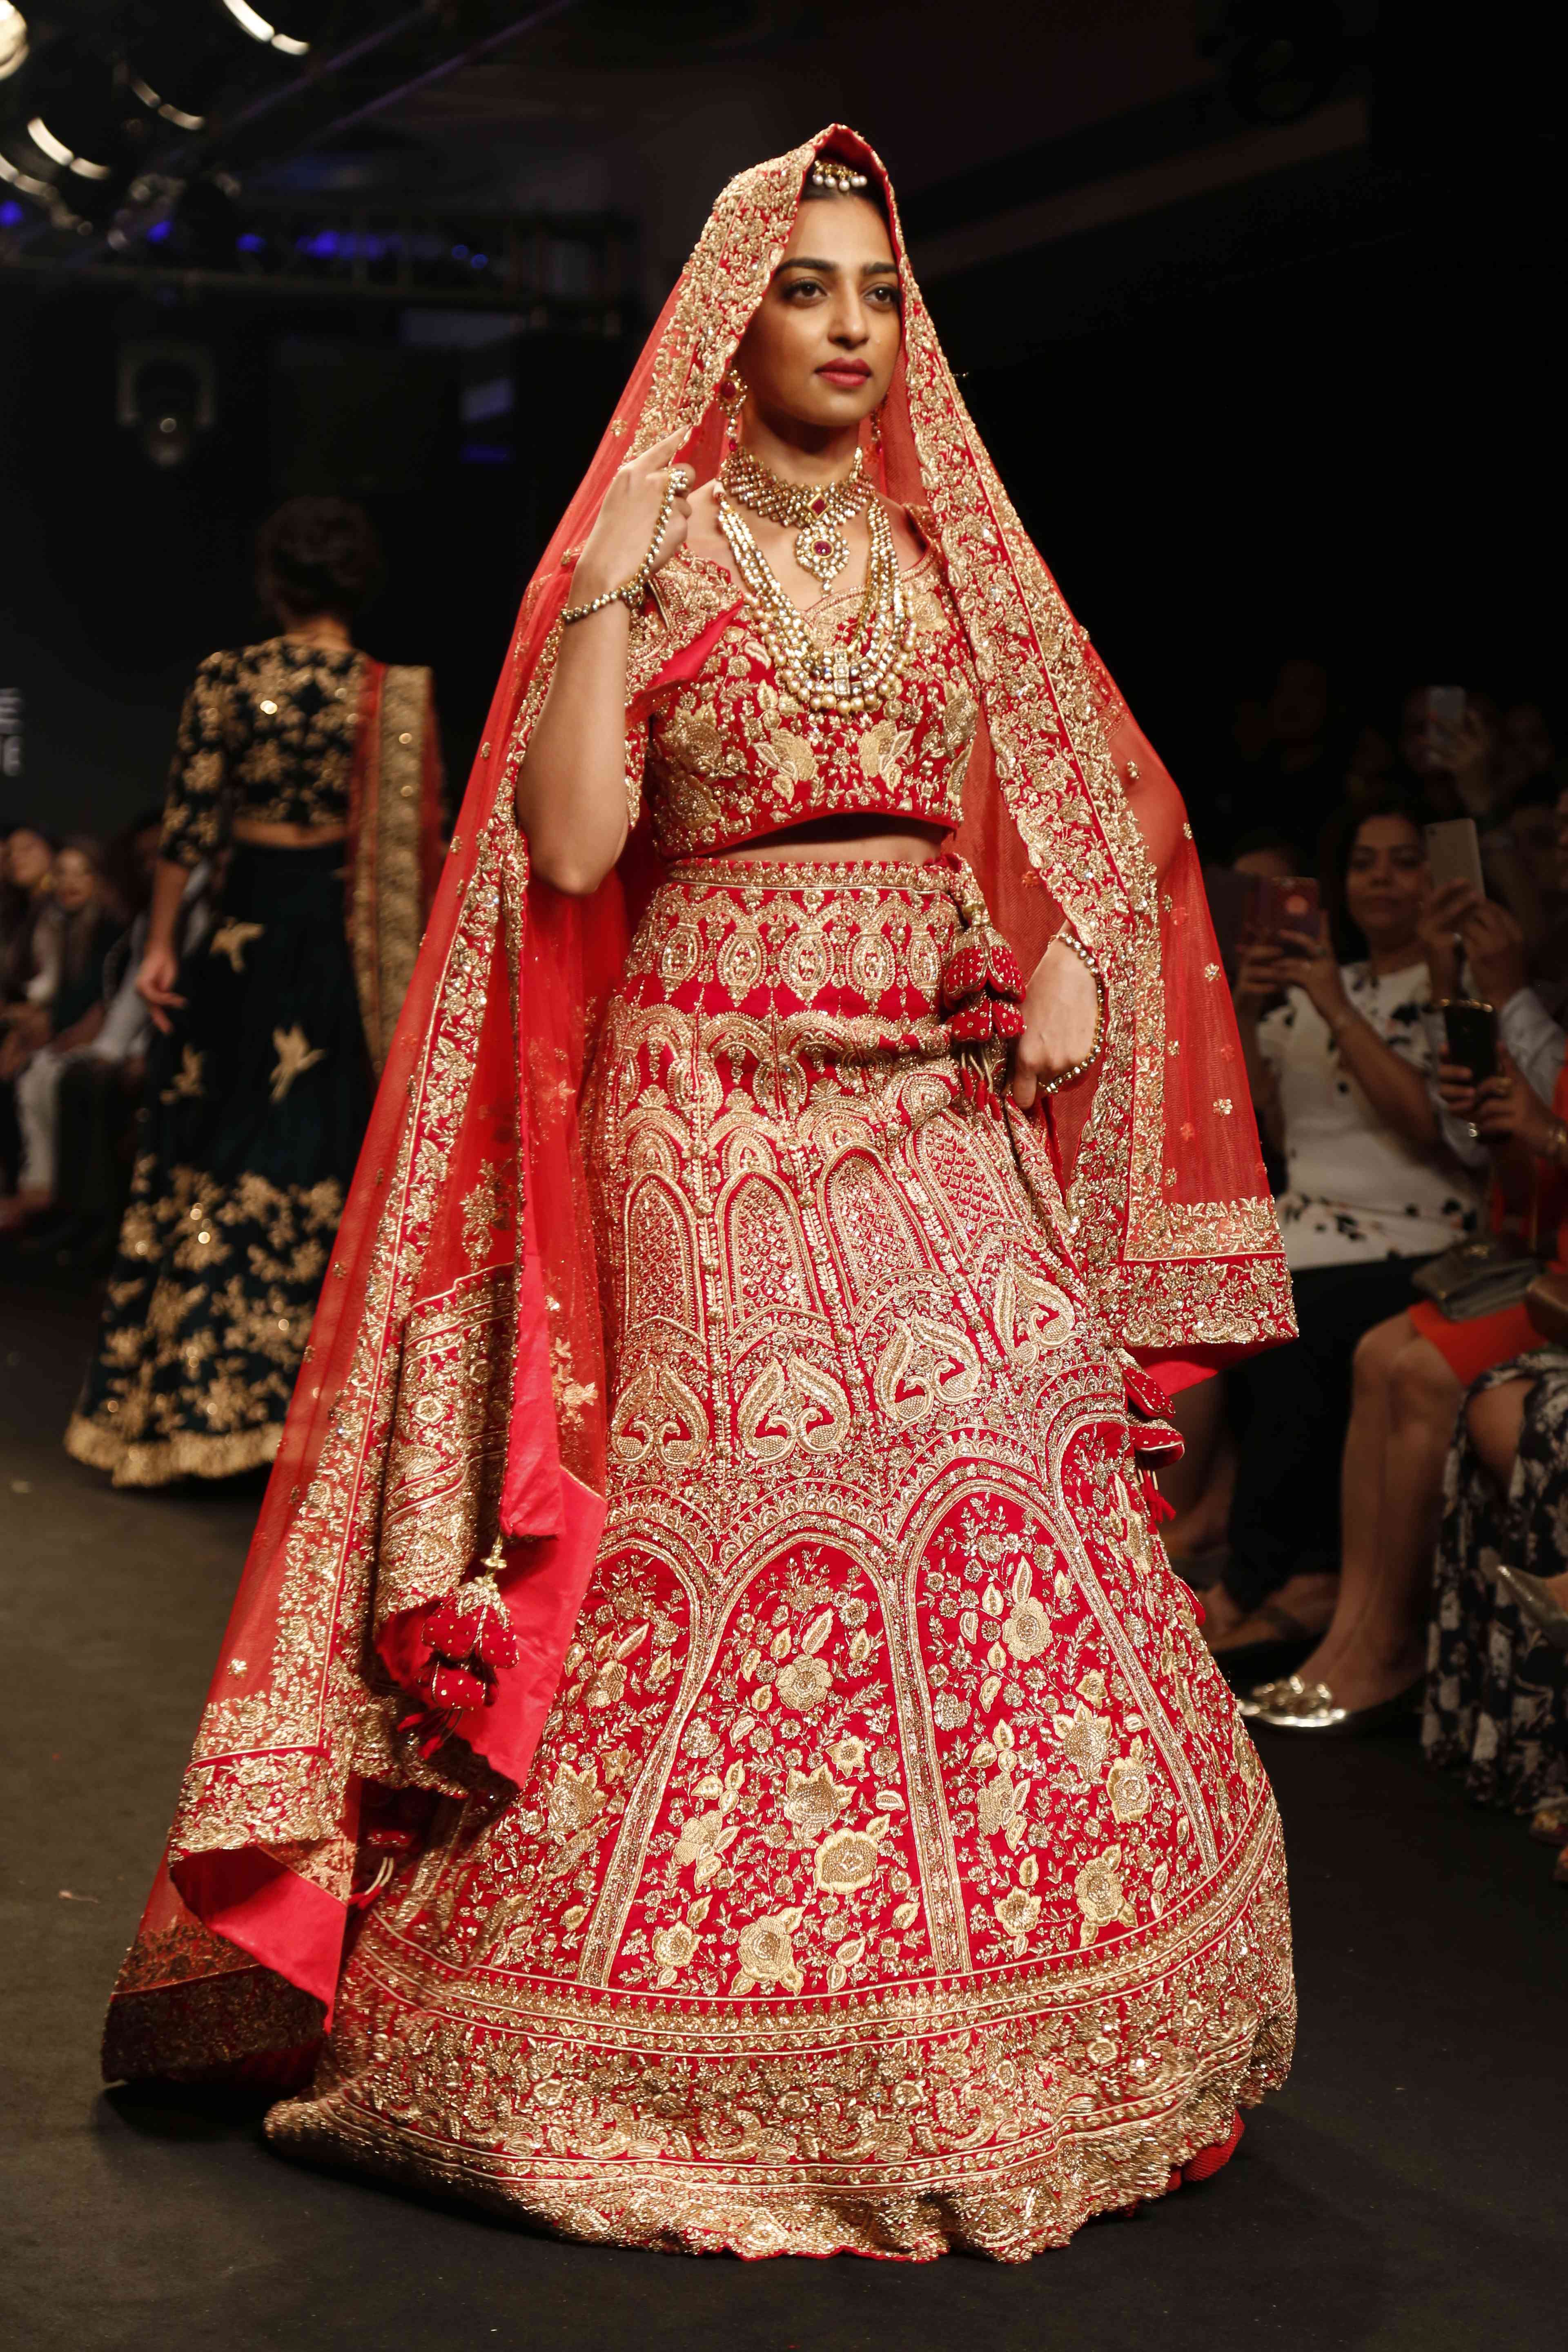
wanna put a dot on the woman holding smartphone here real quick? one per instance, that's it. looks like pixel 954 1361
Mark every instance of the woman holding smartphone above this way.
pixel 1339 1060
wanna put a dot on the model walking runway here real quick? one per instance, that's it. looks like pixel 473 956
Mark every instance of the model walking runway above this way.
pixel 709 1752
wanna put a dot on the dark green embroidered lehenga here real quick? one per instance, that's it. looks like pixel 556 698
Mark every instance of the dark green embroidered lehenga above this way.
pixel 257 1099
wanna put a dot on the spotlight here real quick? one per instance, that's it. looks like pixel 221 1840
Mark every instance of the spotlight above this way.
pixel 166 397
pixel 57 150
pixel 29 185
pixel 177 55
pixel 13 39
pixel 163 107
pixel 257 25
pixel 74 137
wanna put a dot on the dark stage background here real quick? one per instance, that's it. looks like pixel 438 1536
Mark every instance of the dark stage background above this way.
pixel 1300 412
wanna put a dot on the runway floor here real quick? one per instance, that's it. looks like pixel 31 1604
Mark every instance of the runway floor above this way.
pixel 1407 2190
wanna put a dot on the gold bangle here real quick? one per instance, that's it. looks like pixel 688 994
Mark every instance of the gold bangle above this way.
pixel 631 591
pixel 1065 1077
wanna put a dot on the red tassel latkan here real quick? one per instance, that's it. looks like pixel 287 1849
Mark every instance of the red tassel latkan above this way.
pixel 981 996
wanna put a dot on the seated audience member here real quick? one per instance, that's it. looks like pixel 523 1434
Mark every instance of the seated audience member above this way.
pixel 1339 1073
pixel 73 940
pixel 24 889
pixel 98 1088
pixel 1459 771
pixel 1497 1640
pixel 1538 822
pixel 1198 1486
pixel 1523 753
pixel 1412 1372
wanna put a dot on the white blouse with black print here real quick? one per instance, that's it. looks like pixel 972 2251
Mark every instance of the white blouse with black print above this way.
pixel 1355 1188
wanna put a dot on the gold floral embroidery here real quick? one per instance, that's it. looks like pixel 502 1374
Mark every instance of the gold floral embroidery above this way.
pixel 726 760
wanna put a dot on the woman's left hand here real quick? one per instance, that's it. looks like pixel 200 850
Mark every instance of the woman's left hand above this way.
pixel 1495 946
pixel 1310 966
pixel 1509 1111
pixel 1061 1015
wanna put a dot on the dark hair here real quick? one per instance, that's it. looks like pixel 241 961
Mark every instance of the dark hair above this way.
pixel 1545 789
pixel 317 555
pixel 1262 837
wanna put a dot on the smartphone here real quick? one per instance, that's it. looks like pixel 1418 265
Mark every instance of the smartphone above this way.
pixel 1469 1031
pixel 1290 908
pixel 1453 853
pixel 1446 706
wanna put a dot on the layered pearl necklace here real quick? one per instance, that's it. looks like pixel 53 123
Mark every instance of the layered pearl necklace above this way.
pixel 851 675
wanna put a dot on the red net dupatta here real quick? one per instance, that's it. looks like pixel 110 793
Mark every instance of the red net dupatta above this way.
pixel 434 1511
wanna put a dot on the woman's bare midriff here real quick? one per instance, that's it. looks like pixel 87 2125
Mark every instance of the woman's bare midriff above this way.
pixel 261 835
pixel 837 841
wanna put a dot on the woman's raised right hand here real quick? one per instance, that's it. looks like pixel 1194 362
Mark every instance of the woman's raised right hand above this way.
pixel 615 547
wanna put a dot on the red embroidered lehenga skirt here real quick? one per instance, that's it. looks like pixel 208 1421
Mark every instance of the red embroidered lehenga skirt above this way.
pixel 895 1873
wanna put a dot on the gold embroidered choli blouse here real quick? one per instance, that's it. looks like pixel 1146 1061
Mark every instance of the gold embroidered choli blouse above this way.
pixel 725 756
pixel 267 732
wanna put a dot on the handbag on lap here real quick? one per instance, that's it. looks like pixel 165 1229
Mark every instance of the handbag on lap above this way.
pixel 1480 1277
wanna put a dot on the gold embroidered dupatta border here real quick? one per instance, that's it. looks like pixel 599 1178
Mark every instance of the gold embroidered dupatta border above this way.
pixel 394 817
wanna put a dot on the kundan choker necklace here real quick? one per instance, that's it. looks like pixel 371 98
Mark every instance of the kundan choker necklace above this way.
pixel 816 513
pixel 852 674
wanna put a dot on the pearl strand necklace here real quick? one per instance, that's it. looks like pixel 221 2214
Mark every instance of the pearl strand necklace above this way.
pixel 848 676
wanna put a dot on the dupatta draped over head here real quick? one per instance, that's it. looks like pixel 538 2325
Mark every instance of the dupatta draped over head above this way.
pixel 435 1510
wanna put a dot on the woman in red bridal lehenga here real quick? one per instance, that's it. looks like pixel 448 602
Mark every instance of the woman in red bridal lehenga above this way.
pixel 709 1752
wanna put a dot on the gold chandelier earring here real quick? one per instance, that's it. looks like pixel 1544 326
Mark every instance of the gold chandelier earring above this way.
pixel 732 400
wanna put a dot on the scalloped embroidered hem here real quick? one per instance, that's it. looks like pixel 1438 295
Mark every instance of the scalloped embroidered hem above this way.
pixel 1022 2209
pixel 188 1454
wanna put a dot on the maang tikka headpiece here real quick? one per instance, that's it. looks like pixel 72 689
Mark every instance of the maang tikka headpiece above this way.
pixel 826 173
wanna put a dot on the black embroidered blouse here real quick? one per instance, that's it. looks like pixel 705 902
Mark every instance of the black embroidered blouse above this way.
pixel 267 732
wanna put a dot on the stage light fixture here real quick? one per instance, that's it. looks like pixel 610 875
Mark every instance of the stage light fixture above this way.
pixel 28 183
pixel 13 39
pixel 250 21
pixel 44 138
pixel 176 57
pixel 163 106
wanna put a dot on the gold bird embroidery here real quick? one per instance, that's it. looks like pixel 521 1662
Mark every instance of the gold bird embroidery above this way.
pixel 295 1052
pixel 187 1080
pixel 232 939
